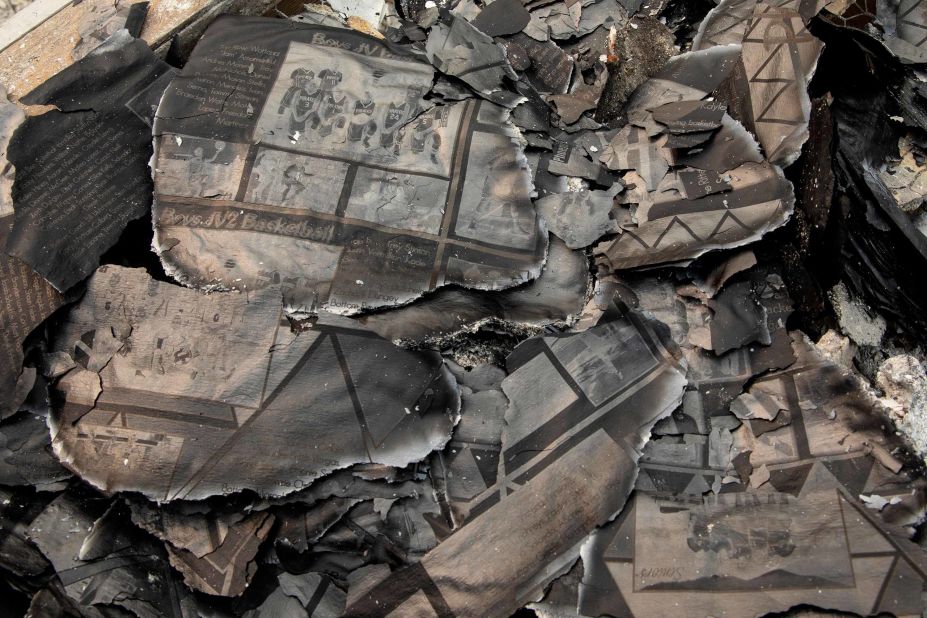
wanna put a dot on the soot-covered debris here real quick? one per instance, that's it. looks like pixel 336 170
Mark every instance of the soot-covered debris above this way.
pixel 569 308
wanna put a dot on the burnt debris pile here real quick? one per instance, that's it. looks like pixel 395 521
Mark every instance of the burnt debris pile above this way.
pixel 467 308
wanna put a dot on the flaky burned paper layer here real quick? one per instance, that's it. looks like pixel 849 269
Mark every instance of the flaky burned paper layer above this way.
pixel 178 394
pixel 800 536
pixel 581 408
pixel 307 156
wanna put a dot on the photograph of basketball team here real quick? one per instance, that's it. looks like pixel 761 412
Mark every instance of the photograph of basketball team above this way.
pixel 318 106
pixel 320 118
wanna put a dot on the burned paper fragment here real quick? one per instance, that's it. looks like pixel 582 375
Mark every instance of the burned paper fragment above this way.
pixel 193 395
pixel 737 318
pixel 516 55
pixel 26 298
pixel 726 24
pixel 574 19
pixel 730 146
pixel 671 229
pixel 330 174
pixel 229 567
pixel 25 453
pixel 690 116
pixel 502 17
pixel 632 149
pixel 455 47
pixel 824 424
pixel 19 556
pixel 184 525
pixel 761 403
pixel 580 408
pixel 104 21
pixel 710 273
pixel 758 427
pixel 82 169
pixel 778 59
pixel 687 140
pixel 579 217
pixel 562 19
pixel 570 158
pixel 469 464
pixel 52 601
pixel 850 13
pixel 584 97
pixel 697 183
pixel 686 77
pixel 533 116
pixel 309 594
pixel 103 561
pixel 833 418
pixel 551 68
pixel 655 446
pixel 905 24
pixel 300 529
pixel 401 530
pixel 393 540
pixel 370 11
pixel 906 176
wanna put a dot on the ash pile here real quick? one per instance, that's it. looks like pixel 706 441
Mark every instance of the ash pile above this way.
pixel 567 308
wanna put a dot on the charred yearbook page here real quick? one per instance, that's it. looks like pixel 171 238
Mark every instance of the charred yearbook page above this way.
pixel 191 395
pixel 306 157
